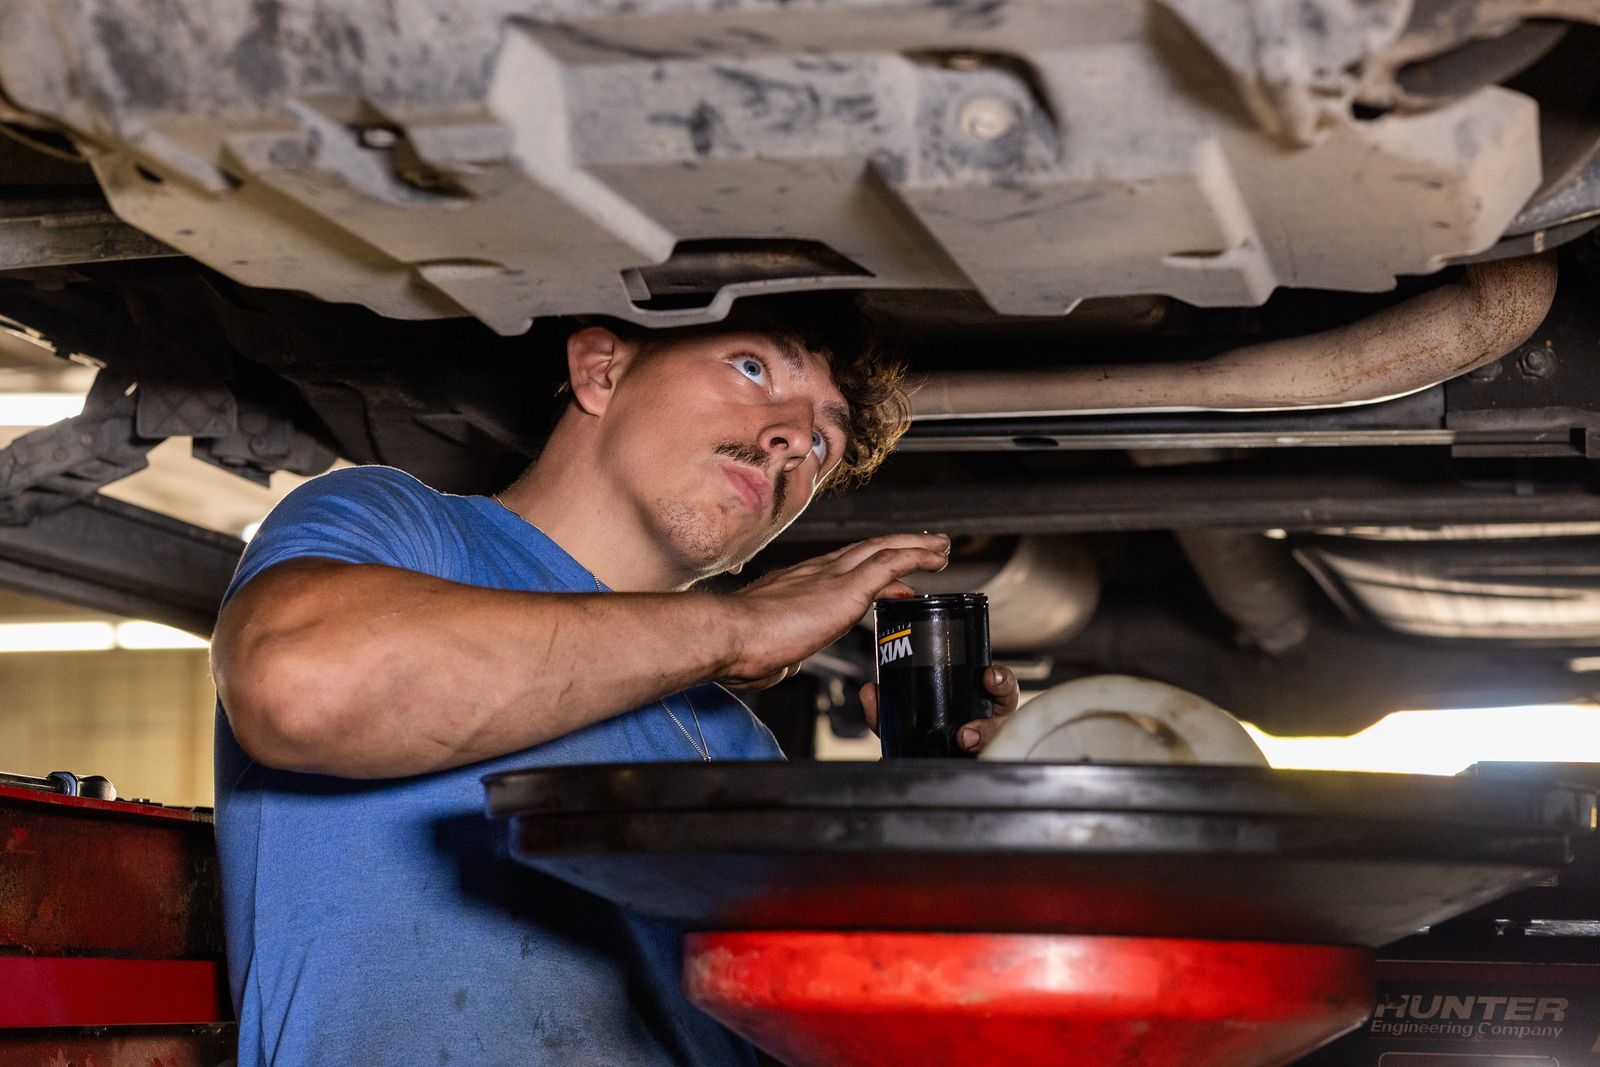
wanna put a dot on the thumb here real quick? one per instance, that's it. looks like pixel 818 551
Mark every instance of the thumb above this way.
pixel 869 704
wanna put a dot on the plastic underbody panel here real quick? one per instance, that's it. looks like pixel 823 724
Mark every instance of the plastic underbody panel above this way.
pixel 513 159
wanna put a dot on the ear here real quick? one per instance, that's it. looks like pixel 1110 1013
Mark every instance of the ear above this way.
pixel 595 359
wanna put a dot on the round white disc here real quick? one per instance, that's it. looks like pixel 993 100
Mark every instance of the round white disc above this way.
pixel 1114 718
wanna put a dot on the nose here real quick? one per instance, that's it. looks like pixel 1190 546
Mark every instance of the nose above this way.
pixel 788 435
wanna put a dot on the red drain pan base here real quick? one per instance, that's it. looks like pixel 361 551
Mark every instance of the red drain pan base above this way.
pixel 817 999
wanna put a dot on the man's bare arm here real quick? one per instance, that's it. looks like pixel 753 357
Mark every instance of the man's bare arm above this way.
pixel 366 671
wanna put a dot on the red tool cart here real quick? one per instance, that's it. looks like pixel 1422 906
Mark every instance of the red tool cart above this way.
pixel 111 950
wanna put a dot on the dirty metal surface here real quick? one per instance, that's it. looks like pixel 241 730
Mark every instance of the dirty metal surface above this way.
pixel 86 877
pixel 42 233
pixel 1548 384
pixel 523 157
pixel 107 555
pixel 207 1046
pixel 1213 852
pixel 1323 494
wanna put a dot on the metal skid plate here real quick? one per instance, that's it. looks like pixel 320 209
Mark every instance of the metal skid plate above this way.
pixel 516 158
pixel 1209 852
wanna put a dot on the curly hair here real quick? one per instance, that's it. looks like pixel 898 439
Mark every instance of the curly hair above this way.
pixel 831 325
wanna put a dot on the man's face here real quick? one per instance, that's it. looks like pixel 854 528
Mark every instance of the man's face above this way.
pixel 722 441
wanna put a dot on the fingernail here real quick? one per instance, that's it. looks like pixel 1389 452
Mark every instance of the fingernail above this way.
pixel 968 738
pixel 995 676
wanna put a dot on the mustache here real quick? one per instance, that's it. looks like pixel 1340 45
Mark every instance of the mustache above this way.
pixel 743 452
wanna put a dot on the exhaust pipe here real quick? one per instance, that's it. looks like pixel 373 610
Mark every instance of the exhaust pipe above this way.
pixel 1253 582
pixel 1415 344
pixel 1041 592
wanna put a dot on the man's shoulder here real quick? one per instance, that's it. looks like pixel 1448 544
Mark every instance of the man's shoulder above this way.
pixel 366 514
pixel 351 493
pixel 368 478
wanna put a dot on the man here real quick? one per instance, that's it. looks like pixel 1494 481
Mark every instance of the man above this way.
pixel 383 646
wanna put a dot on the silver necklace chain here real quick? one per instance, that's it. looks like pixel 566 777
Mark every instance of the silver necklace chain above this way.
pixel 702 749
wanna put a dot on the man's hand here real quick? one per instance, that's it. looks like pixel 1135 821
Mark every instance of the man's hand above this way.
pixel 1002 687
pixel 790 614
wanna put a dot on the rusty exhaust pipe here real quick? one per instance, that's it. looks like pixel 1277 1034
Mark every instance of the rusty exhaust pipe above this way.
pixel 1415 344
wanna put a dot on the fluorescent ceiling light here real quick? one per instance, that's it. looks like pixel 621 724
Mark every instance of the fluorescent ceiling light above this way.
pixel 93 636
pixel 38 409
pixel 139 634
pixel 1446 741
pixel 57 637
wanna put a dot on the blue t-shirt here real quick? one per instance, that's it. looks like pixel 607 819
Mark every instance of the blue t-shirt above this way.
pixel 382 922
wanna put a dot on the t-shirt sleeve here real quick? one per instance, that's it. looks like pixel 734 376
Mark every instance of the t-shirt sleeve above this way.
pixel 355 515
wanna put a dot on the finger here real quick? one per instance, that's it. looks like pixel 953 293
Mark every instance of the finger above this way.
pixel 869 705
pixel 1001 682
pixel 976 734
pixel 826 563
pixel 829 557
pixel 896 591
pixel 889 565
pixel 850 557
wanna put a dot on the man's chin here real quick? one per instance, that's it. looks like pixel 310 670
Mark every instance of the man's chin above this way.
pixel 713 542
pixel 733 554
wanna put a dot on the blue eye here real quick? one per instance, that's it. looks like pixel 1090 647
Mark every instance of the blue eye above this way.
pixel 751 368
pixel 819 445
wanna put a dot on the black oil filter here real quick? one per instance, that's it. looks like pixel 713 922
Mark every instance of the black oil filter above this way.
pixel 932 652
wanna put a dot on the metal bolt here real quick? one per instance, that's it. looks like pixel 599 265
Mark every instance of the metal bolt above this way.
pixel 987 117
pixel 1536 363
pixel 378 137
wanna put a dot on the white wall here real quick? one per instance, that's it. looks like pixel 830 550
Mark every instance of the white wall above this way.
pixel 141 719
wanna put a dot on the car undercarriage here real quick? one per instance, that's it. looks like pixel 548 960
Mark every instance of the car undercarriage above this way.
pixel 1256 343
